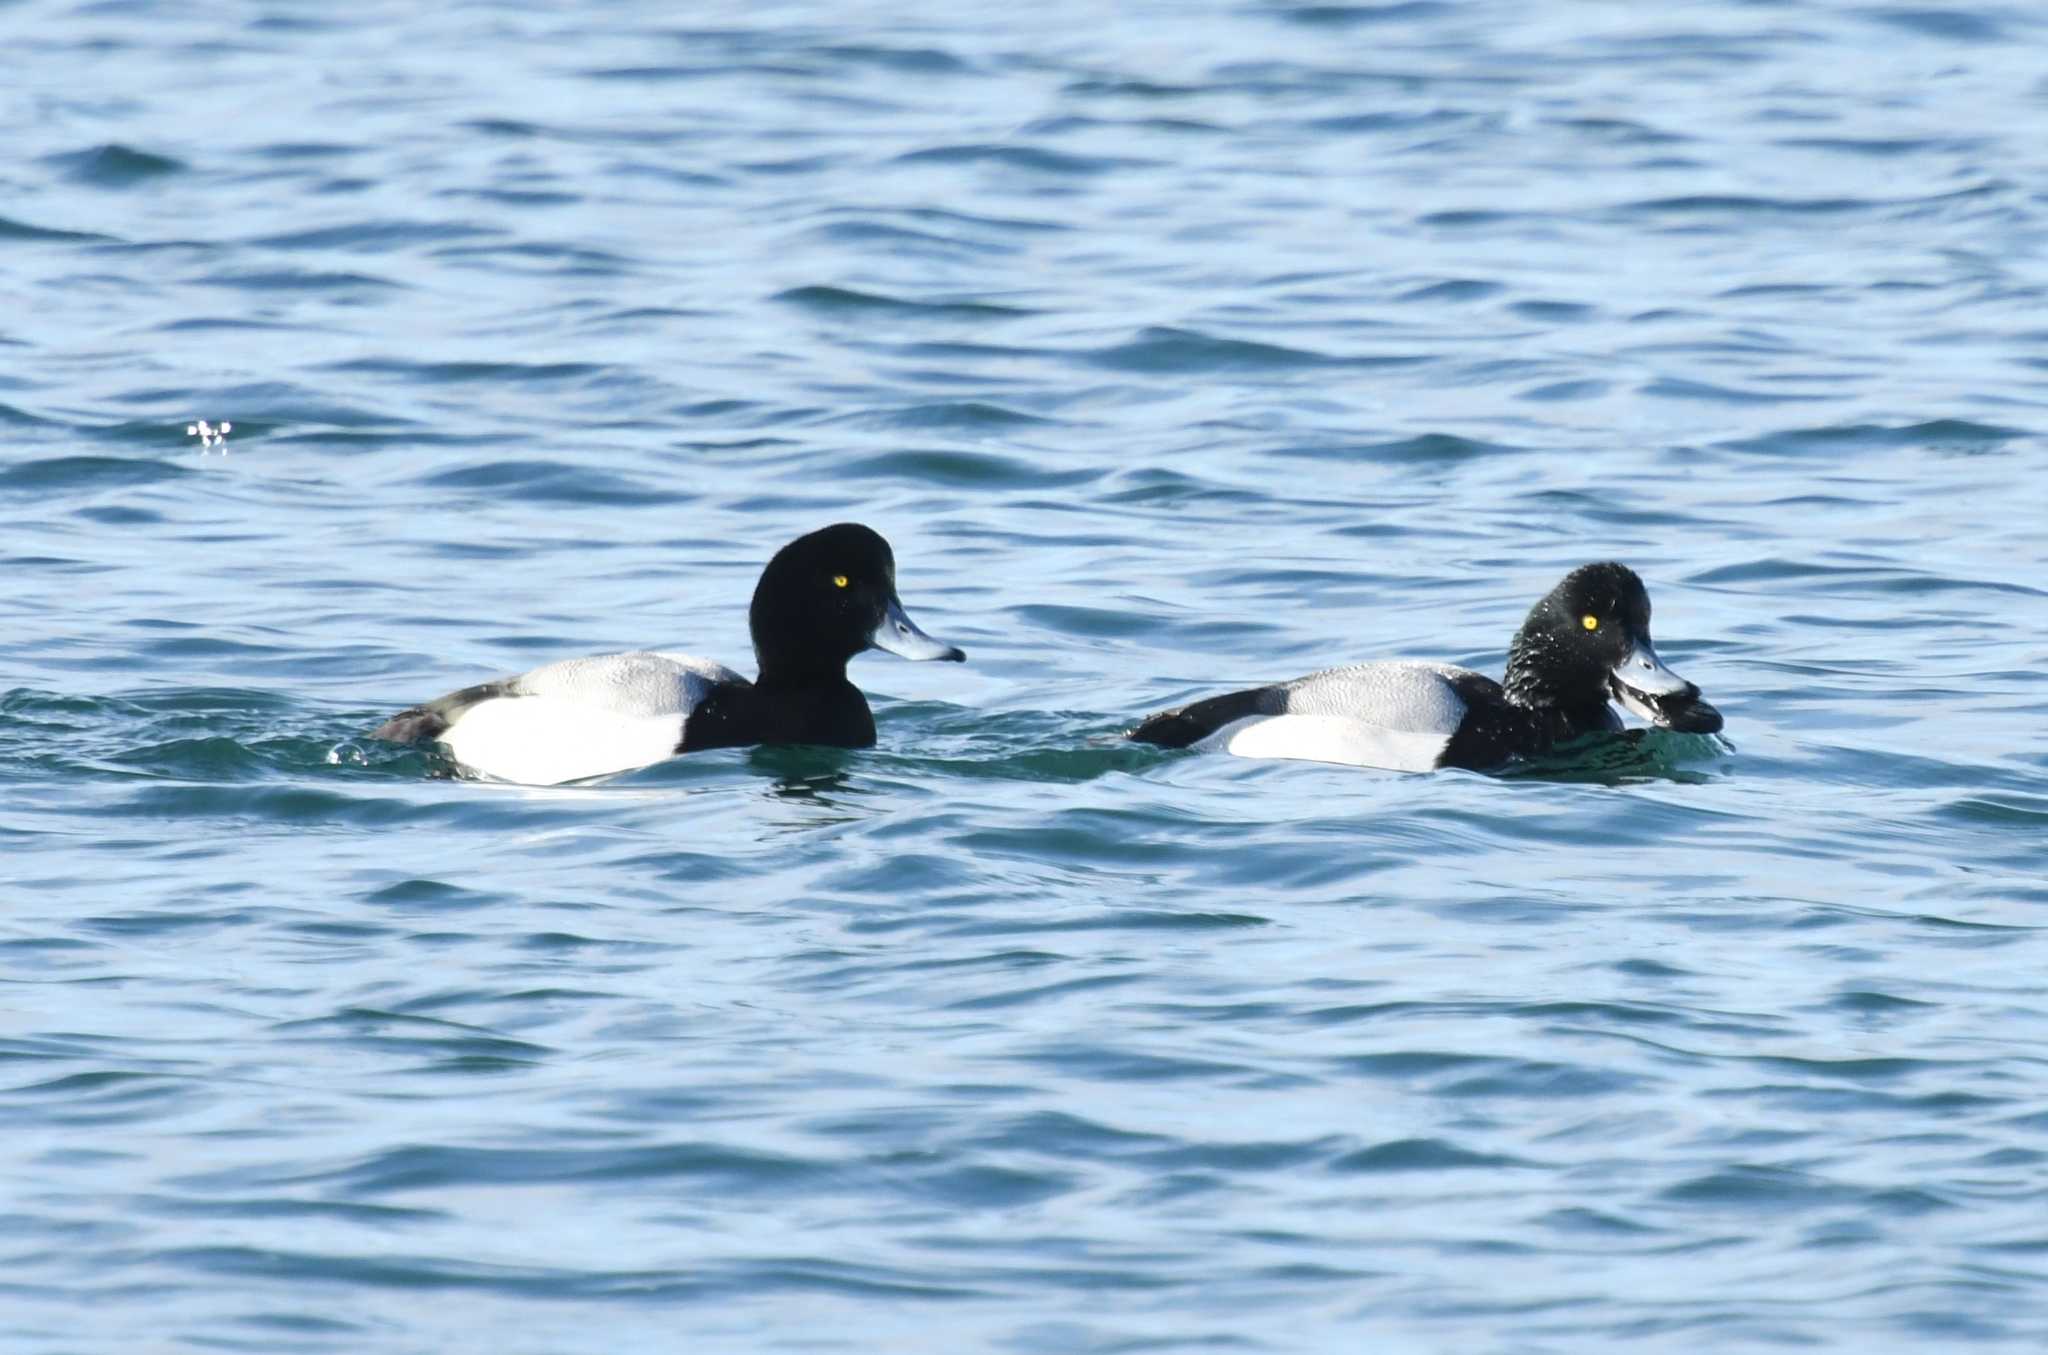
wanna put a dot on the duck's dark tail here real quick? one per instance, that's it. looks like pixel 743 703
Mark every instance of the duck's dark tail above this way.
pixel 418 725
pixel 1190 724
pixel 424 724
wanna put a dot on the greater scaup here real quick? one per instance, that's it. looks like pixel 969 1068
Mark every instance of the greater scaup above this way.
pixel 1587 641
pixel 824 598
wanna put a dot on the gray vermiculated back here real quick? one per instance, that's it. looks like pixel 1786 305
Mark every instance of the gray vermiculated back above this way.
pixel 1396 694
pixel 643 682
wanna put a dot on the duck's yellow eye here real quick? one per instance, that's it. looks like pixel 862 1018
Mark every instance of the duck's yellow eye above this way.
pixel 1590 621
pixel 839 581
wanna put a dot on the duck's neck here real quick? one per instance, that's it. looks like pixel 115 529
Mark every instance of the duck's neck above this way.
pixel 780 673
pixel 1562 698
pixel 811 701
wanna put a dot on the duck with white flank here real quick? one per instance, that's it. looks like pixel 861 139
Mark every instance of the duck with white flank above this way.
pixel 1586 643
pixel 824 598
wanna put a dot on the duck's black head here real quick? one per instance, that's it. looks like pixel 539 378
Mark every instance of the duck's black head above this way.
pixel 826 597
pixel 1588 641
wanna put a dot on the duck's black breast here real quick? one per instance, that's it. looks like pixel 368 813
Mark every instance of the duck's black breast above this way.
pixel 1496 730
pixel 737 714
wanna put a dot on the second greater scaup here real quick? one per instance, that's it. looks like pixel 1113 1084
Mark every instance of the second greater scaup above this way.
pixel 1587 642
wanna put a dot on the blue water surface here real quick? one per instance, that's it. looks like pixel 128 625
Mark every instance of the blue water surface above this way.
pixel 1174 346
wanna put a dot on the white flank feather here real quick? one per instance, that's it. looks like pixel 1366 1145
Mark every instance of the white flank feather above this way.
pixel 580 718
pixel 1329 738
pixel 544 741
